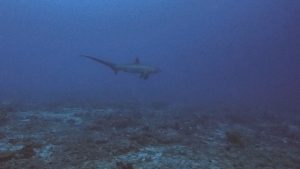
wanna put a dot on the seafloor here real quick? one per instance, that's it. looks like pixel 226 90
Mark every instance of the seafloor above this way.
pixel 154 136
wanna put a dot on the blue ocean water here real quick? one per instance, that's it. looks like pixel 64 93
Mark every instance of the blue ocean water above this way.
pixel 214 56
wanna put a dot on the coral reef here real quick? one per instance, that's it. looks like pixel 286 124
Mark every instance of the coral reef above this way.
pixel 141 137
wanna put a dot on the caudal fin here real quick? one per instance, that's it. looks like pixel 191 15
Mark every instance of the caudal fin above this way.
pixel 109 64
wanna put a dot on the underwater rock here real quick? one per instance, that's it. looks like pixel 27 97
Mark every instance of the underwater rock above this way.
pixel 9 151
pixel 168 136
pixel 293 132
pixel 158 136
pixel 6 156
pixel 46 153
pixel 143 138
pixel 26 152
pixel 4 147
pixel 234 138
pixel 101 141
pixel 123 122
pixel 163 157
pixel 17 150
pixel 124 148
pixel 4 111
pixel 122 165
pixel 2 135
pixel 94 127
pixel 3 116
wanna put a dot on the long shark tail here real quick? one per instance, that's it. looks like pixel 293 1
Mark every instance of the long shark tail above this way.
pixel 109 64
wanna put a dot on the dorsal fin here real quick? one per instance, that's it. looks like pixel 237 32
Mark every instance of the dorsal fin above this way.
pixel 137 60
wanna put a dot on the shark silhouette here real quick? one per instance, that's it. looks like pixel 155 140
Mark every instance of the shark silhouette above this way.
pixel 136 67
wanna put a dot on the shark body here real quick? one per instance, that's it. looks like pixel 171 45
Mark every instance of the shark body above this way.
pixel 143 70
